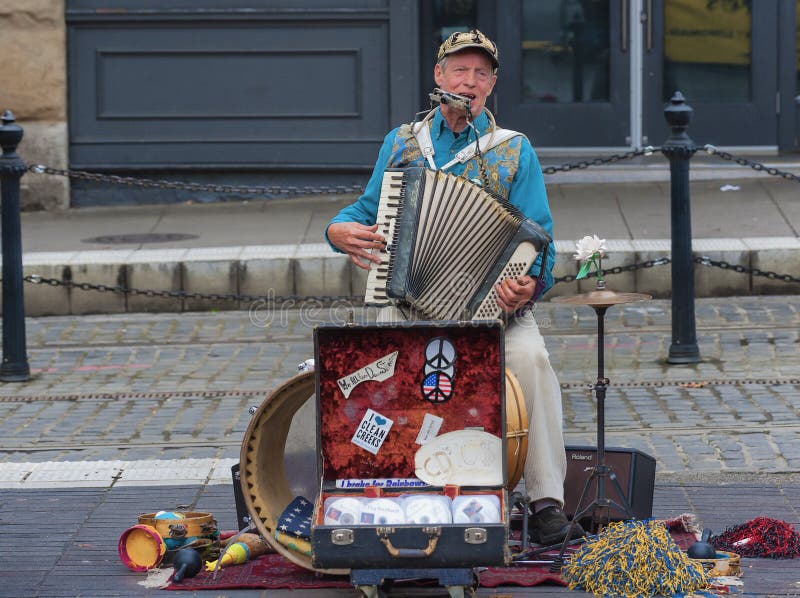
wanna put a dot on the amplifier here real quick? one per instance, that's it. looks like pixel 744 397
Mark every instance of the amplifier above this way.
pixel 635 471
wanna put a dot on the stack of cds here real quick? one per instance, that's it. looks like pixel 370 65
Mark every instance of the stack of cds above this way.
pixel 419 509
pixel 425 509
pixel 479 508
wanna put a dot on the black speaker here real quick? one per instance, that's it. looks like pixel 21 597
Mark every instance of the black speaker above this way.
pixel 242 516
pixel 635 472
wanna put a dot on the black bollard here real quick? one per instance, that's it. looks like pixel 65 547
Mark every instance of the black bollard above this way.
pixel 15 366
pixel 679 149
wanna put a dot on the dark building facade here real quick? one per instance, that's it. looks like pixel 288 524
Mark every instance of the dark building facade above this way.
pixel 245 89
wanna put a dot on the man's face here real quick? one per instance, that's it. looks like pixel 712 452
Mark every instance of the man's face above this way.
pixel 468 73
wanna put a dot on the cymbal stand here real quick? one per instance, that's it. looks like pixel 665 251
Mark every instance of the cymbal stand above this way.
pixel 601 471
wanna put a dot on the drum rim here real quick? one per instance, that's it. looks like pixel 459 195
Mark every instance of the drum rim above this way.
pixel 518 436
pixel 284 402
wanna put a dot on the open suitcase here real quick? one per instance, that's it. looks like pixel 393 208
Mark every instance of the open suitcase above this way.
pixel 411 448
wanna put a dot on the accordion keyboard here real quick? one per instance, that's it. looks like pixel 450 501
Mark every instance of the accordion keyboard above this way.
pixel 388 207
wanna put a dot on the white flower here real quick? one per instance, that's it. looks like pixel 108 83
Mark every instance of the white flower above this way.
pixel 590 247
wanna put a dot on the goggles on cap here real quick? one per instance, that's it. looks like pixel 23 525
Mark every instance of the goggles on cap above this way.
pixel 461 40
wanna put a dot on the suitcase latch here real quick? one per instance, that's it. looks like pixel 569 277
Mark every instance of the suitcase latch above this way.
pixel 475 535
pixel 342 537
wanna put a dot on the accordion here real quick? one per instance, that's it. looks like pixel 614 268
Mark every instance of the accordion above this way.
pixel 448 243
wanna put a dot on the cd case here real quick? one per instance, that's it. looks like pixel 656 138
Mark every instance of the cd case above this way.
pixel 411 446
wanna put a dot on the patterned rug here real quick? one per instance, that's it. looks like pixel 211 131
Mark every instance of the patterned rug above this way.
pixel 272 571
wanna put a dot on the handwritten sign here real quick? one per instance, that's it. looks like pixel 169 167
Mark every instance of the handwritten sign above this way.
pixel 378 371
pixel 429 429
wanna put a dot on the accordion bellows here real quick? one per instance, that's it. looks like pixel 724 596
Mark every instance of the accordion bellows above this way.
pixel 448 243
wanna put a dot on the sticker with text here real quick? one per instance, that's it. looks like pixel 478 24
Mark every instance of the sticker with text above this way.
pixel 429 429
pixel 379 370
pixel 379 483
pixel 372 431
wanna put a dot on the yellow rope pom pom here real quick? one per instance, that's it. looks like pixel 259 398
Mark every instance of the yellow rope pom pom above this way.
pixel 633 559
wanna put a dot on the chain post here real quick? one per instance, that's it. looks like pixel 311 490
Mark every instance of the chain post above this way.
pixel 15 366
pixel 679 149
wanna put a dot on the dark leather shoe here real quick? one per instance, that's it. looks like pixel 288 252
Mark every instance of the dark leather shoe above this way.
pixel 550 526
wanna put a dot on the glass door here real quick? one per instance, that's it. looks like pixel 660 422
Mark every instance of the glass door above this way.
pixel 722 55
pixel 565 74
pixel 597 74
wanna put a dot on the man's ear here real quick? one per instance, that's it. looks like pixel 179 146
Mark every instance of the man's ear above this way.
pixel 438 75
pixel 491 89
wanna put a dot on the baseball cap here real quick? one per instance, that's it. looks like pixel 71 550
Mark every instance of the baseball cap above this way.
pixel 461 40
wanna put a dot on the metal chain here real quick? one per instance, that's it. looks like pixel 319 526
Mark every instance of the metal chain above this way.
pixel 160 184
pixel 272 299
pixel 645 151
pixel 702 260
pixel 707 261
pixel 618 269
pixel 714 151
pixel 328 299
pixel 283 189
pixel 358 189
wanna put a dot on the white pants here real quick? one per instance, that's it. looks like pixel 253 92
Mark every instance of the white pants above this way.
pixel 529 361
pixel 527 358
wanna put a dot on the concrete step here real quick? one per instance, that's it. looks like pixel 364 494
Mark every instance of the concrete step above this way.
pixel 313 270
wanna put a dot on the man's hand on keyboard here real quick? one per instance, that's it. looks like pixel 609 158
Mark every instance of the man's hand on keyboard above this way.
pixel 358 241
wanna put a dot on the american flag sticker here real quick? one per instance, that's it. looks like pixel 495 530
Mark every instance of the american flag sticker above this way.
pixel 437 387
pixel 472 509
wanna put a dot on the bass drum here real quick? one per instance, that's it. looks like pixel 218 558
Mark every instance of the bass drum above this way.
pixel 285 415
pixel 516 431
pixel 281 437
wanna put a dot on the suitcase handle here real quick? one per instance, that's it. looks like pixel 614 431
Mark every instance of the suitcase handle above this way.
pixel 410 553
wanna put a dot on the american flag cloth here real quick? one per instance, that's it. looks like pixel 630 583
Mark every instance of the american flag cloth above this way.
pixel 472 509
pixel 296 518
pixel 437 387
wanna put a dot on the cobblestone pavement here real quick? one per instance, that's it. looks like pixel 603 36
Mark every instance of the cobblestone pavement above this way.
pixel 177 386
pixel 149 388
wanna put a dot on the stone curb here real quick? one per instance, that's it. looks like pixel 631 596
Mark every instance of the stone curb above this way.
pixel 313 270
pixel 104 474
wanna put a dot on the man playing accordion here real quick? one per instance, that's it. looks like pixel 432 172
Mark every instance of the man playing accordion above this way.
pixel 467 66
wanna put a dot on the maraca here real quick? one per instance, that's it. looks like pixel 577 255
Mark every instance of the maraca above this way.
pixel 187 563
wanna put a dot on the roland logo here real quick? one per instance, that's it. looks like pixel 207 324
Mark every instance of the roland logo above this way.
pixel 579 457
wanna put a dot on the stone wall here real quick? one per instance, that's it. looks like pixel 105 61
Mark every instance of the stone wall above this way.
pixel 33 85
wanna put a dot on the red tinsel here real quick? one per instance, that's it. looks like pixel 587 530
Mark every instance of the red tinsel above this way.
pixel 760 537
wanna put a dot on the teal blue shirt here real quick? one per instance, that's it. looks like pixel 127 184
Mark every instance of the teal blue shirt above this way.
pixel 513 168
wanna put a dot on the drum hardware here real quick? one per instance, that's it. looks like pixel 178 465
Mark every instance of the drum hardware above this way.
pixel 523 503
pixel 599 300
pixel 524 556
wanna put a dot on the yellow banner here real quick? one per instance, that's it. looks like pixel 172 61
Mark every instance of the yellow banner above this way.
pixel 707 31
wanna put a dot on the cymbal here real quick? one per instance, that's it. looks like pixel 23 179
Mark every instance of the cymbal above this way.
pixel 603 298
